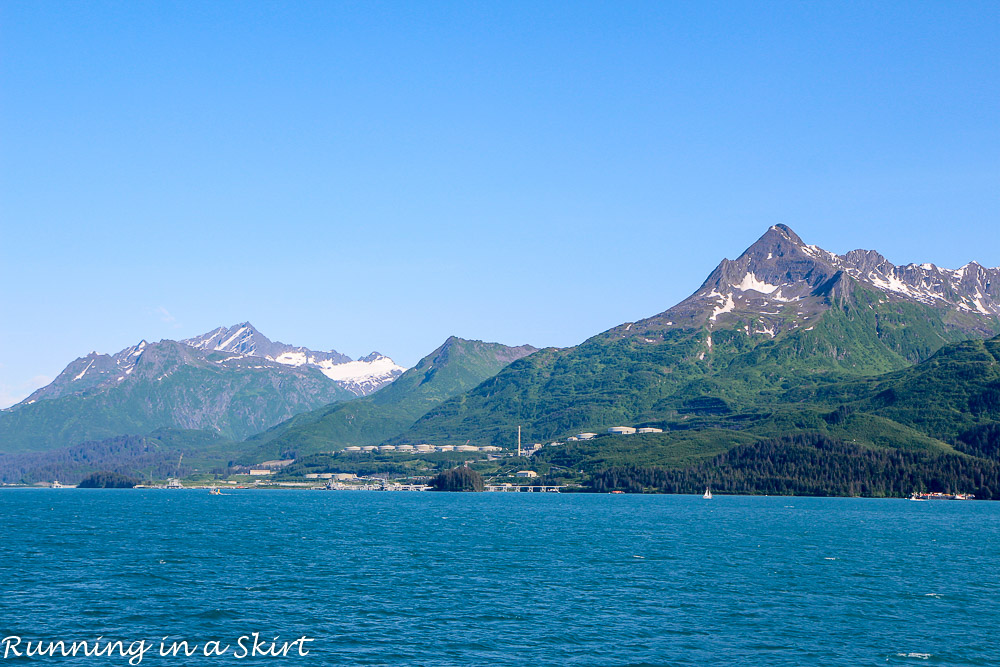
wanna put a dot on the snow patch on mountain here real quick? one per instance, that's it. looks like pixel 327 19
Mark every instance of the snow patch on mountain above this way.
pixel 356 371
pixel 777 296
pixel 293 358
pixel 226 343
pixel 750 282
pixel 765 330
pixel 84 371
pixel 365 375
pixel 727 305
pixel 361 376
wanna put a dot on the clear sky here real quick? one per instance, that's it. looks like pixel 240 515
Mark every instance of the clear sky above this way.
pixel 378 176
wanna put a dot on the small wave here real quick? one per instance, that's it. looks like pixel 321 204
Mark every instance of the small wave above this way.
pixel 921 656
pixel 829 558
pixel 215 614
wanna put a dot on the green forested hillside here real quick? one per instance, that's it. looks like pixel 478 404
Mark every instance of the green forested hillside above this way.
pixel 934 426
pixel 812 465
pixel 663 377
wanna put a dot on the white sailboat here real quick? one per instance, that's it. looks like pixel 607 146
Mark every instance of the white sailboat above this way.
pixel 708 494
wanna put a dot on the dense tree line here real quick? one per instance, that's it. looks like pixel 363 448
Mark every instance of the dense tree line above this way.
pixel 987 402
pixel 108 480
pixel 812 465
pixel 457 479
pixel 983 441
pixel 127 454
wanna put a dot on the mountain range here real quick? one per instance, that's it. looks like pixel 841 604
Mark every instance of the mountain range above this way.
pixel 232 381
pixel 361 377
pixel 787 341
pixel 454 367
pixel 781 318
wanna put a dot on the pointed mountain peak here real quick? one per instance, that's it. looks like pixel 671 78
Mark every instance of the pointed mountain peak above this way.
pixel 786 232
pixel 779 263
pixel 446 346
pixel 779 269
pixel 240 338
pixel 777 241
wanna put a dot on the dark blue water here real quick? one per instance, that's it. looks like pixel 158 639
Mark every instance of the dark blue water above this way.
pixel 505 579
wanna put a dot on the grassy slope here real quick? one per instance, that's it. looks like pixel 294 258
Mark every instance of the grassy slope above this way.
pixel 456 366
pixel 608 381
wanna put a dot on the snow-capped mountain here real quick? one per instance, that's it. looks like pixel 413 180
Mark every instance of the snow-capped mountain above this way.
pixel 232 381
pixel 361 376
pixel 781 283
pixel 238 347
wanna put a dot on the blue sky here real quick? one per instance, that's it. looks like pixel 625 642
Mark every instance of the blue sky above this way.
pixel 379 176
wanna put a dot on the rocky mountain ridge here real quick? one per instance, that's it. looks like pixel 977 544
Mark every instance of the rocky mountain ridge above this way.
pixel 240 346
pixel 781 283
pixel 361 377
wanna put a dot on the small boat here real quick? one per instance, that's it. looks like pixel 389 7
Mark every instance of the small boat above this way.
pixel 214 492
pixel 708 494
pixel 936 495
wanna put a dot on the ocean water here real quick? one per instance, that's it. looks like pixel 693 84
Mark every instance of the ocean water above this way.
pixel 503 579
